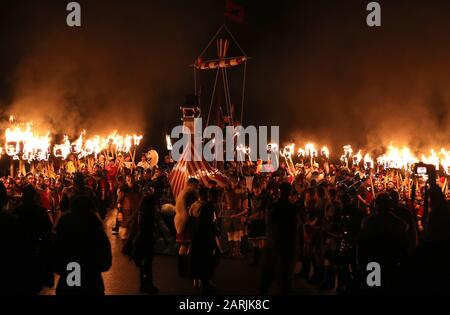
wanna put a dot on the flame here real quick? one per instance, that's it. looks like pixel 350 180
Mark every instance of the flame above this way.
pixel 301 153
pixel 445 160
pixel 347 153
pixel 310 150
pixel 368 161
pixel 431 159
pixel 288 151
pixel 325 152
pixel 348 150
pixel 62 150
pixel 357 158
pixel 24 143
pixel 35 147
pixel 396 158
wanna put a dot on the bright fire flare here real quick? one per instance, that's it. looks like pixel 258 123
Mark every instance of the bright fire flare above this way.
pixel 357 158
pixel 368 162
pixel 325 152
pixel 310 150
pixel 22 142
pixel 445 160
pixel 288 151
pixel 432 159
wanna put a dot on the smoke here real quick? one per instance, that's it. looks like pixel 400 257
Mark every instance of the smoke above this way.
pixel 337 81
pixel 125 69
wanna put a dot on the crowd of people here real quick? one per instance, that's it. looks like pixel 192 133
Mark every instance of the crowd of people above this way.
pixel 322 225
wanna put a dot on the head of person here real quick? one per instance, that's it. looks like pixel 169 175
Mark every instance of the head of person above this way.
pixel 439 216
pixel 383 202
pixel 30 179
pixel 40 180
pixel 395 197
pixel 147 174
pixel 193 183
pixel 213 195
pixel 18 182
pixel 285 191
pixel 148 204
pixel 98 168
pixel 82 204
pixel 78 179
pixel 129 179
pixel 29 195
pixel 58 184
pixel 212 184
pixel 294 197
pixel 203 194
pixel 390 185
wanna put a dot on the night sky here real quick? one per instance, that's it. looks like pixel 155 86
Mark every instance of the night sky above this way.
pixel 317 69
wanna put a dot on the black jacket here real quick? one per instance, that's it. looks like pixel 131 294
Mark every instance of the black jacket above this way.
pixel 80 238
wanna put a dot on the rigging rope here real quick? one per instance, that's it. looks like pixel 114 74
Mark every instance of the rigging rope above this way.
pixel 243 93
pixel 212 97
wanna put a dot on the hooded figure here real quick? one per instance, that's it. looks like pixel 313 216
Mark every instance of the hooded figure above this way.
pixel 35 238
pixel 81 239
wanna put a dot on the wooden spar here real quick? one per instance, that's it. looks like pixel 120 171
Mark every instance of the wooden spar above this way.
pixel 371 185
pixel 133 156
pixel 220 63
pixel 20 165
pixel 11 167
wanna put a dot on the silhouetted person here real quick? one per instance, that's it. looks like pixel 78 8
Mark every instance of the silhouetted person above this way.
pixel 141 242
pixel 204 249
pixel 383 239
pixel 408 217
pixel 428 271
pixel 79 188
pixel 281 242
pixel 80 238
pixel 35 243
pixel 350 221
pixel 9 247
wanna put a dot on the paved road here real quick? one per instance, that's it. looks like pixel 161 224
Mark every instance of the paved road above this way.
pixel 233 276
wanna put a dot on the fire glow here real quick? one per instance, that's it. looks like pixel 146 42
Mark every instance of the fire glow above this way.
pixel 394 158
pixel 23 143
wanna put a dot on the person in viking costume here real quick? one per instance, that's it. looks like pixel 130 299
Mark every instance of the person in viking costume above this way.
pixel 185 199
